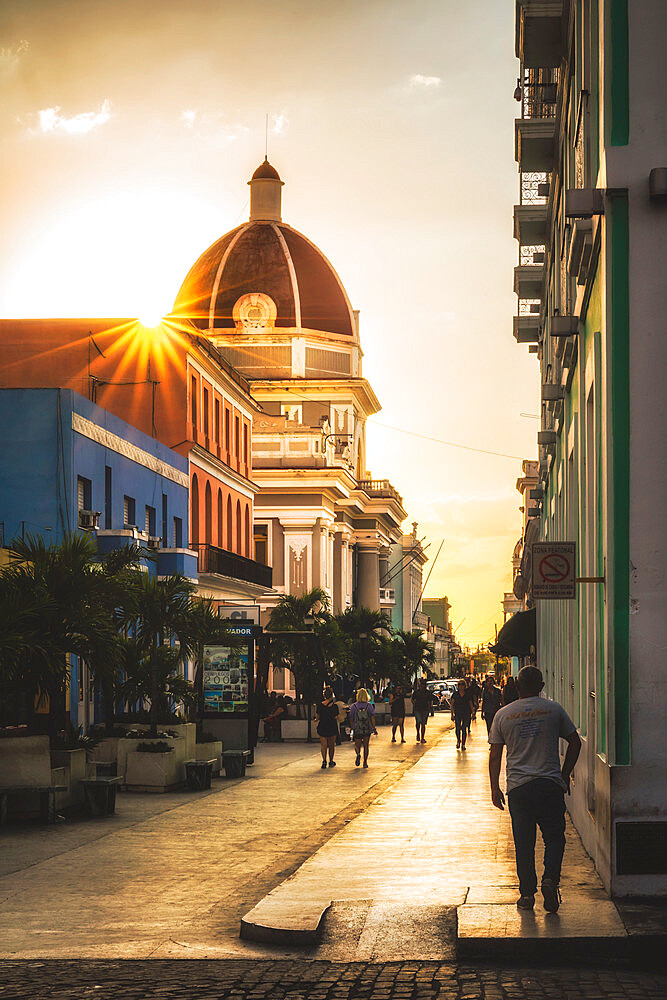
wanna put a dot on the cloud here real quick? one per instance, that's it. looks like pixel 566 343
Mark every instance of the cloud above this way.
pixel 419 80
pixel 279 123
pixel 11 55
pixel 212 126
pixel 51 120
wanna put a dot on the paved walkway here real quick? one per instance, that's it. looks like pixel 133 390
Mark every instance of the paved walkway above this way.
pixel 408 859
pixel 430 852
pixel 171 875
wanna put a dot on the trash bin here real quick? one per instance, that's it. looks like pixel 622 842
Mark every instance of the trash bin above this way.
pixel 198 774
pixel 234 762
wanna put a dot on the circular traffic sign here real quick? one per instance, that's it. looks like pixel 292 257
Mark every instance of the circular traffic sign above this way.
pixel 554 568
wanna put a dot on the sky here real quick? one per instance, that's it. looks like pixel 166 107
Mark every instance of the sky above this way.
pixel 128 131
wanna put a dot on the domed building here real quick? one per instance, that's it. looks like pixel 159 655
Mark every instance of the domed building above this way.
pixel 276 310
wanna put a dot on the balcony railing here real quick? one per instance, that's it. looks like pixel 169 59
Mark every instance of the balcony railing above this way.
pixel 538 93
pixel 379 488
pixel 215 560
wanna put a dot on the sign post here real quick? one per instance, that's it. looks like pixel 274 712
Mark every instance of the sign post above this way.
pixel 554 571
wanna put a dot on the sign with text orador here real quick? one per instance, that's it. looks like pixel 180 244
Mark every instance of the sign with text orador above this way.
pixel 554 570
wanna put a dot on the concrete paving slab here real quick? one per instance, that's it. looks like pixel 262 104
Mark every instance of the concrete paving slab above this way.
pixel 170 876
pixel 581 928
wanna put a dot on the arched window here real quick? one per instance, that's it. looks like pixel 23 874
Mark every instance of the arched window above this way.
pixel 248 551
pixel 229 524
pixel 208 514
pixel 194 513
pixel 238 527
pixel 220 537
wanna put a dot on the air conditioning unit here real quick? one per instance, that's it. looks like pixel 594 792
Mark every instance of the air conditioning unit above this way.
pixel 153 542
pixel 89 520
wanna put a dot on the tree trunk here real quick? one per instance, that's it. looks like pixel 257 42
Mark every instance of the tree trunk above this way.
pixel 154 690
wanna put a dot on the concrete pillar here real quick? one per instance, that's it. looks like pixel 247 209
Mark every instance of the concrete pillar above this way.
pixel 368 585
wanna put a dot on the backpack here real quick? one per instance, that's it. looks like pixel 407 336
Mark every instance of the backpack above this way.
pixel 363 725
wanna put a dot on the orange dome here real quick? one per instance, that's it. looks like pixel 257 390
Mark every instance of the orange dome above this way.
pixel 272 258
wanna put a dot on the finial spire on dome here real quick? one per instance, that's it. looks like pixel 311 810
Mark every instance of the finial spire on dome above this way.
pixel 265 194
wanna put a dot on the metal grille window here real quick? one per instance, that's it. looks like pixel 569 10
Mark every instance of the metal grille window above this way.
pixel 178 533
pixel 107 497
pixel 84 493
pixel 165 522
pixel 129 511
pixel 331 362
pixel 149 521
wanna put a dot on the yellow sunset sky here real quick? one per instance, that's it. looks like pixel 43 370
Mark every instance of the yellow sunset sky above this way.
pixel 128 131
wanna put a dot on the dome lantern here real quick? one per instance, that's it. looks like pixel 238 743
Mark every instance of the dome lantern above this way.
pixel 265 194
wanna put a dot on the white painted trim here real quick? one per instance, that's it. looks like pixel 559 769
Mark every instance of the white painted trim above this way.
pixel 216 467
pixel 218 273
pixel 225 391
pixel 292 274
pixel 122 447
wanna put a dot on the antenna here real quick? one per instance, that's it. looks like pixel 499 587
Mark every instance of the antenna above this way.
pixel 266 137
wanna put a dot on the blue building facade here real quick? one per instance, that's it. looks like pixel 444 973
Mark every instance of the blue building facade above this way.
pixel 67 464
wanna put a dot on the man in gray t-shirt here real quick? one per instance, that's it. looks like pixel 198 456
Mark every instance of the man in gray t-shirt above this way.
pixel 536 782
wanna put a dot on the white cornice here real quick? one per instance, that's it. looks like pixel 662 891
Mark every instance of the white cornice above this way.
pixel 214 467
pixel 122 447
pixel 318 389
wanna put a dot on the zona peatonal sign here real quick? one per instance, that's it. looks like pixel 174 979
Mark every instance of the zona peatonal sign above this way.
pixel 554 570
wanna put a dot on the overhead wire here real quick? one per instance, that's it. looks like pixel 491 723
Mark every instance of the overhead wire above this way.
pixel 424 437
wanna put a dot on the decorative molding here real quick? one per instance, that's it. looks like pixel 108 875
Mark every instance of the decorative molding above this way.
pixel 122 447
pixel 214 466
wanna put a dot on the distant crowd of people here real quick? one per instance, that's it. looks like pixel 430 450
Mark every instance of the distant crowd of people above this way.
pixel 338 720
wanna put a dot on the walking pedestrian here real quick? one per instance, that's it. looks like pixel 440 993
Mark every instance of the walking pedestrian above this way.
pixel 510 692
pixel 342 721
pixel 460 704
pixel 362 720
pixel 536 782
pixel 475 697
pixel 397 708
pixel 421 705
pixel 327 727
pixel 492 699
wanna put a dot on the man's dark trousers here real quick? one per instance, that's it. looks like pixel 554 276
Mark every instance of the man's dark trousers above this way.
pixel 540 802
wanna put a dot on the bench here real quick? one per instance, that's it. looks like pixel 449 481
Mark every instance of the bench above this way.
pixel 100 794
pixel 47 799
pixel 198 774
pixel 235 762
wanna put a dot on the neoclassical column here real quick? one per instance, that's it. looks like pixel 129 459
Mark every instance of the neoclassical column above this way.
pixel 368 577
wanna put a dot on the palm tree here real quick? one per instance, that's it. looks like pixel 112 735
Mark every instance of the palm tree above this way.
pixel 61 585
pixel 160 612
pixel 301 614
pixel 414 654
pixel 364 628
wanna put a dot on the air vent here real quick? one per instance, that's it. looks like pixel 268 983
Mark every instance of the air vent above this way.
pixel 641 848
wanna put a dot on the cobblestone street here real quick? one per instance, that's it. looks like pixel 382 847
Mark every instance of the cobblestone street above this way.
pixel 267 980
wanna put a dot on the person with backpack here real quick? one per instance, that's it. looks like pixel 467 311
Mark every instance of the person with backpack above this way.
pixel 362 721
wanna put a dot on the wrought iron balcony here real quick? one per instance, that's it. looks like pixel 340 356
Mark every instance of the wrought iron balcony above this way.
pixel 220 561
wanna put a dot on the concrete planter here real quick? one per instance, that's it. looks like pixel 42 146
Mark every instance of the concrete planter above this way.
pixel 296 729
pixel 208 751
pixel 154 772
pixel 25 761
pixel 74 767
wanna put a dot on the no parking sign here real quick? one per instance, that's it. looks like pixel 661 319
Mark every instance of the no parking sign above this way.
pixel 554 570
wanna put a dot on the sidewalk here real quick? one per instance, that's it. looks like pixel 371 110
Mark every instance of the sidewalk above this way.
pixel 405 861
pixel 169 876
pixel 429 861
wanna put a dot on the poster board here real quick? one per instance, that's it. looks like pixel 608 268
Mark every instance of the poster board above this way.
pixel 226 680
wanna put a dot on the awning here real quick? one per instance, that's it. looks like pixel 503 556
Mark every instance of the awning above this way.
pixel 517 635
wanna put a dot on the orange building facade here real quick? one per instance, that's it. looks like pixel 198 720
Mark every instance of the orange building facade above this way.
pixel 171 383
